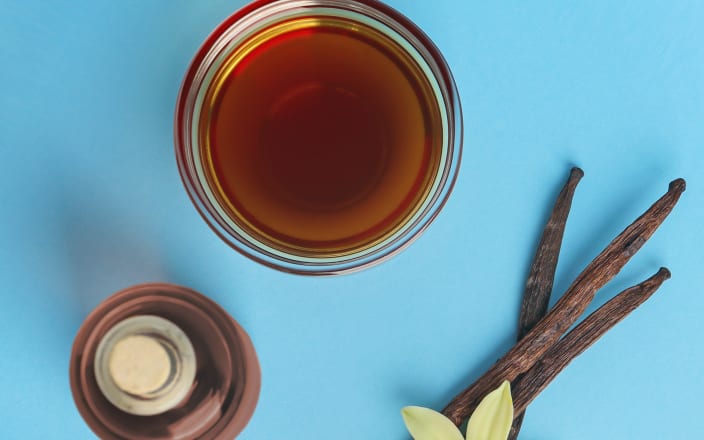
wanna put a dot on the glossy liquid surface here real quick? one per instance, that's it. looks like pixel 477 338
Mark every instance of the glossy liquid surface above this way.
pixel 321 136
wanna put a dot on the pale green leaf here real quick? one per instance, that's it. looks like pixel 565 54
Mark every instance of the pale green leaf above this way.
pixel 493 417
pixel 426 424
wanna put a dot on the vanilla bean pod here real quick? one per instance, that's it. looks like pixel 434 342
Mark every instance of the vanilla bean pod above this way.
pixel 542 271
pixel 568 309
pixel 533 381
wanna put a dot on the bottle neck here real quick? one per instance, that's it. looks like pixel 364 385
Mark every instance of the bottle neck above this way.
pixel 145 365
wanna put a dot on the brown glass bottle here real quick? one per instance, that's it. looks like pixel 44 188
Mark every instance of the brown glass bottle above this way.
pixel 159 361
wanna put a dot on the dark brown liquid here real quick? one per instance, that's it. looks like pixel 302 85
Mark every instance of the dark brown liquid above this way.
pixel 323 138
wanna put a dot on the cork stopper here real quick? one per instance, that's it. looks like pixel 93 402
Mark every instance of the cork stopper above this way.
pixel 145 365
pixel 140 365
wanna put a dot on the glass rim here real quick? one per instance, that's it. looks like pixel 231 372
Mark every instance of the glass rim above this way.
pixel 249 21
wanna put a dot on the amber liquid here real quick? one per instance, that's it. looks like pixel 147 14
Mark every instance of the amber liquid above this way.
pixel 321 136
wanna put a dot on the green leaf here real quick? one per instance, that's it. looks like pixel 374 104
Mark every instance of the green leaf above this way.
pixel 426 424
pixel 493 417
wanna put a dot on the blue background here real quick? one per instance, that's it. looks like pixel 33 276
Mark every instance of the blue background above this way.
pixel 92 203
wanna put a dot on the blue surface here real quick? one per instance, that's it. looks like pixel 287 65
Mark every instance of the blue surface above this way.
pixel 92 203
